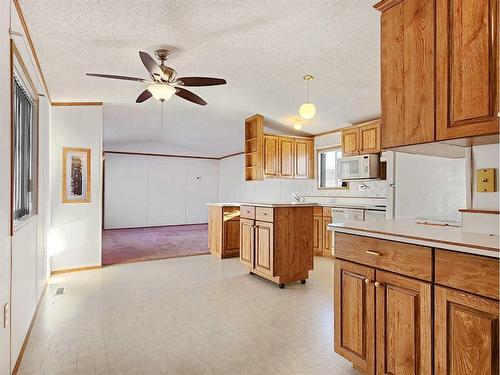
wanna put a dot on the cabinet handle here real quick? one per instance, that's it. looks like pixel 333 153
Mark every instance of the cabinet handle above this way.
pixel 367 281
pixel 373 252
pixel 378 285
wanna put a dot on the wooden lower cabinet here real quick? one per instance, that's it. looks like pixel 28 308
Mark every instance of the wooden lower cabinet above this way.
pixel 278 244
pixel 224 231
pixel 354 314
pixel 327 238
pixel 466 333
pixel 403 325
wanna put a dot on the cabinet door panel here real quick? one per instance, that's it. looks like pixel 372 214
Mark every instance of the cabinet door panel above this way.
pixel 467 68
pixel 264 247
pixel 271 157
pixel 350 142
pixel 231 236
pixel 301 158
pixel 318 235
pixel 369 139
pixel 466 333
pixel 404 325
pixel 247 242
pixel 327 237
pixel 286 157
pixel 407 76
pixel 354 314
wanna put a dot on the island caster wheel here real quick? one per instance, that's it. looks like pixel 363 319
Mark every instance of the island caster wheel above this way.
pixel 302 282
pixel 282 286
pixel 250 272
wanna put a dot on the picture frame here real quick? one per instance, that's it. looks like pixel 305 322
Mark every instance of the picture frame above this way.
pixel 76 169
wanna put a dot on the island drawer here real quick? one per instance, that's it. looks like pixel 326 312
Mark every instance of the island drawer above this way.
pixel 264 214
pixel 402 258
pixel 471 273
pixel 247 212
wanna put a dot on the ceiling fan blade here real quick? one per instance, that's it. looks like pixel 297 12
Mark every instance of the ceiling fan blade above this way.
pixel 116 77
pixel 201 81
pixel 188 95
pixel 152 66
pixel 145 95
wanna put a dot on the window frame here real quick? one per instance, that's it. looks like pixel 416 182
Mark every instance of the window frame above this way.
pixel 19 71
pixel 319 151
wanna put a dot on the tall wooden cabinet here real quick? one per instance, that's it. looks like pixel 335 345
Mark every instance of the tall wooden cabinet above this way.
pixel 277 242
pixel 466 68
pixel 439 70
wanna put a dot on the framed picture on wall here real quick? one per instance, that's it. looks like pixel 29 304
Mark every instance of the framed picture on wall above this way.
pixel 76 175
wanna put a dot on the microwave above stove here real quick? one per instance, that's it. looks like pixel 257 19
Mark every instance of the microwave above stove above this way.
pixel 359 167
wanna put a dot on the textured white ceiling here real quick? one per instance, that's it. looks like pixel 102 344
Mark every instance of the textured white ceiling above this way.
pixel 261 47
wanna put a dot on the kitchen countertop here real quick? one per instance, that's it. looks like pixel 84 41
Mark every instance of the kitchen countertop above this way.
pixel 404 230
pixel 280 204
pixel 224 204
pixel 291 204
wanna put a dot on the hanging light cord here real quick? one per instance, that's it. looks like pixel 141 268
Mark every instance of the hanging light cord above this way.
pixel 162 115
pixel 307 96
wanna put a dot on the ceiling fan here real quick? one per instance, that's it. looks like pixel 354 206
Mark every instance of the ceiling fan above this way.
pixel 164 82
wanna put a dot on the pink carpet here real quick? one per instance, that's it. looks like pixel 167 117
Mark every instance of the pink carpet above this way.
pixel 139 244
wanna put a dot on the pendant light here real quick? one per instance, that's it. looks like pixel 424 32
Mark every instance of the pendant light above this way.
pixel 307 110
pixel 297 124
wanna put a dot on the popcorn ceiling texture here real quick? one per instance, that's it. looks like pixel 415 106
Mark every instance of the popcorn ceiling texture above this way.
pixel 263 48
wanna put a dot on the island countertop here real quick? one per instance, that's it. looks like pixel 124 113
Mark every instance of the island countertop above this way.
pixel 409 231
pixel 280 204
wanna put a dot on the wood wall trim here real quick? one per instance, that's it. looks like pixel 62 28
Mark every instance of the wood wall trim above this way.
pixel 172 155
pixel 159 226
pixel 354 125
pixel 472 211
pixel 77 269
pixel 26 338
pixel 32 47
pixel 383 5
pixel 75 104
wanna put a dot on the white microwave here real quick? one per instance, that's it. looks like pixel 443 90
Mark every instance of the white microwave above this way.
pixel 359 167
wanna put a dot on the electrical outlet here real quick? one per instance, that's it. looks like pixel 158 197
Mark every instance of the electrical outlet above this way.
pixel 485 180
pixel 6 315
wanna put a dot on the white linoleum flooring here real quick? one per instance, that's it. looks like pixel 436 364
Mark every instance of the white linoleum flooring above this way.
pixel 195 315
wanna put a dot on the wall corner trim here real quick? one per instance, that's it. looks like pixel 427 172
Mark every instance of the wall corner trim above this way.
pixel 75 104
pixel 77 269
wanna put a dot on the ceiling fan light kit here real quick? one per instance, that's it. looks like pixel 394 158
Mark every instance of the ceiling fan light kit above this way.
pixel 164 82
pixel 307 110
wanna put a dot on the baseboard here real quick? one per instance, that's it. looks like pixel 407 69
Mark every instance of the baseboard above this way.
pixel 156 226
pixel 26 338
pixel 68 270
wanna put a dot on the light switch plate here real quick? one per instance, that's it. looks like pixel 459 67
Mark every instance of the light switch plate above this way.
pixel 485 180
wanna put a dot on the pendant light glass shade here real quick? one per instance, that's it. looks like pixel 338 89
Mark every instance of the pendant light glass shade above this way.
pixel 307 111
pixel 161 92
pixel 297 124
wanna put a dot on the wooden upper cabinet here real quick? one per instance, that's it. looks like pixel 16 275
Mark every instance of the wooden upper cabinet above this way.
pixel 466 68
pixel 407 72
pixel 466 333
pixel 254 138
pixel 403 325
pixel 350 142
pixel 286 157
pixel 304 158
pixel 271 156
pixel 369 138
pixel 354 314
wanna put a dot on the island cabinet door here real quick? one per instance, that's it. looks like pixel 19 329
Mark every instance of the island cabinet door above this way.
pixel 264 247
pixel 318 235
pixel 247 234
pixel 403 325
pixel 466 333
pixel 354 314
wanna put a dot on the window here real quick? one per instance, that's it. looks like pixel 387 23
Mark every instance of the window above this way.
pixel 327 168
pixel 24 150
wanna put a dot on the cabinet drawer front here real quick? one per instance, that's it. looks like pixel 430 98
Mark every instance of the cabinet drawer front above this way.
pixel 264 214
pixel 318 211
pixel 471 273
pixel 247 212
pixel 405 259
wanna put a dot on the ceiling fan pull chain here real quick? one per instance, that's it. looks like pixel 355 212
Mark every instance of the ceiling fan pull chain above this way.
pixel 162 103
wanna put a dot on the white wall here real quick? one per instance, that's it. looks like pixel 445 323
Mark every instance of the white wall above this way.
pixel 75 232
pixel 486 156
pixel 429 186
pixel 5 239
pixel 150 191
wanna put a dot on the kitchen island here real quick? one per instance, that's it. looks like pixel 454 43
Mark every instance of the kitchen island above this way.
pixel 224 229
pixel 430 291
pixel 276 240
